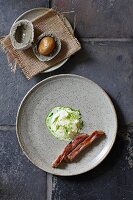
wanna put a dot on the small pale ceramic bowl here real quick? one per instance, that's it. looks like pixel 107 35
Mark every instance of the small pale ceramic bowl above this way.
pixel 22 34
pixel 53 53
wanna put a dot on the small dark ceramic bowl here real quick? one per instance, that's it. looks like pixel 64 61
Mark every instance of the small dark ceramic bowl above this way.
pixel 53 53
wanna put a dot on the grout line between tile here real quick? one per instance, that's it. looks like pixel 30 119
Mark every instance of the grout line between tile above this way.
pixel 49 186
pixel 49 176
pixel 86 39
pixel 7 127
pixel 49 3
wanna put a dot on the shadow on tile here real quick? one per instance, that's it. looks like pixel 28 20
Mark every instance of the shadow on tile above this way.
pixel 81 57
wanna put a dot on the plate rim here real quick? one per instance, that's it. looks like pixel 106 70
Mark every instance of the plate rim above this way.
pixel 58 65
pixel 32 90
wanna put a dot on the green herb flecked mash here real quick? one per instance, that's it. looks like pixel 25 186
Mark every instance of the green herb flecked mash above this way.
pixel 64 122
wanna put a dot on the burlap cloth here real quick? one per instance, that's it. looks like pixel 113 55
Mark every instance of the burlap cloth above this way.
pixel 49 22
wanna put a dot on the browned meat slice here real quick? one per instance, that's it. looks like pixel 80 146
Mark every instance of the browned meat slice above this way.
pixel 72 145
pixel 83 145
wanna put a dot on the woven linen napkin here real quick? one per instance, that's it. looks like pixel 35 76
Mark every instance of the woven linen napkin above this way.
pixel 52 22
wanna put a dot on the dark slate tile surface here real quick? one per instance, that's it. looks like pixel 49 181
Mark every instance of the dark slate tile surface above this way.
pixel 110 65
pixel 99 18
pixel 11 9
pixel 111 180
pixel 107 63
pixel 19 178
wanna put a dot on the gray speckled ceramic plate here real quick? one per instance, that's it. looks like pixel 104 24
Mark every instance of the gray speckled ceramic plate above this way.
pixel 31 15
pixel 97 111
